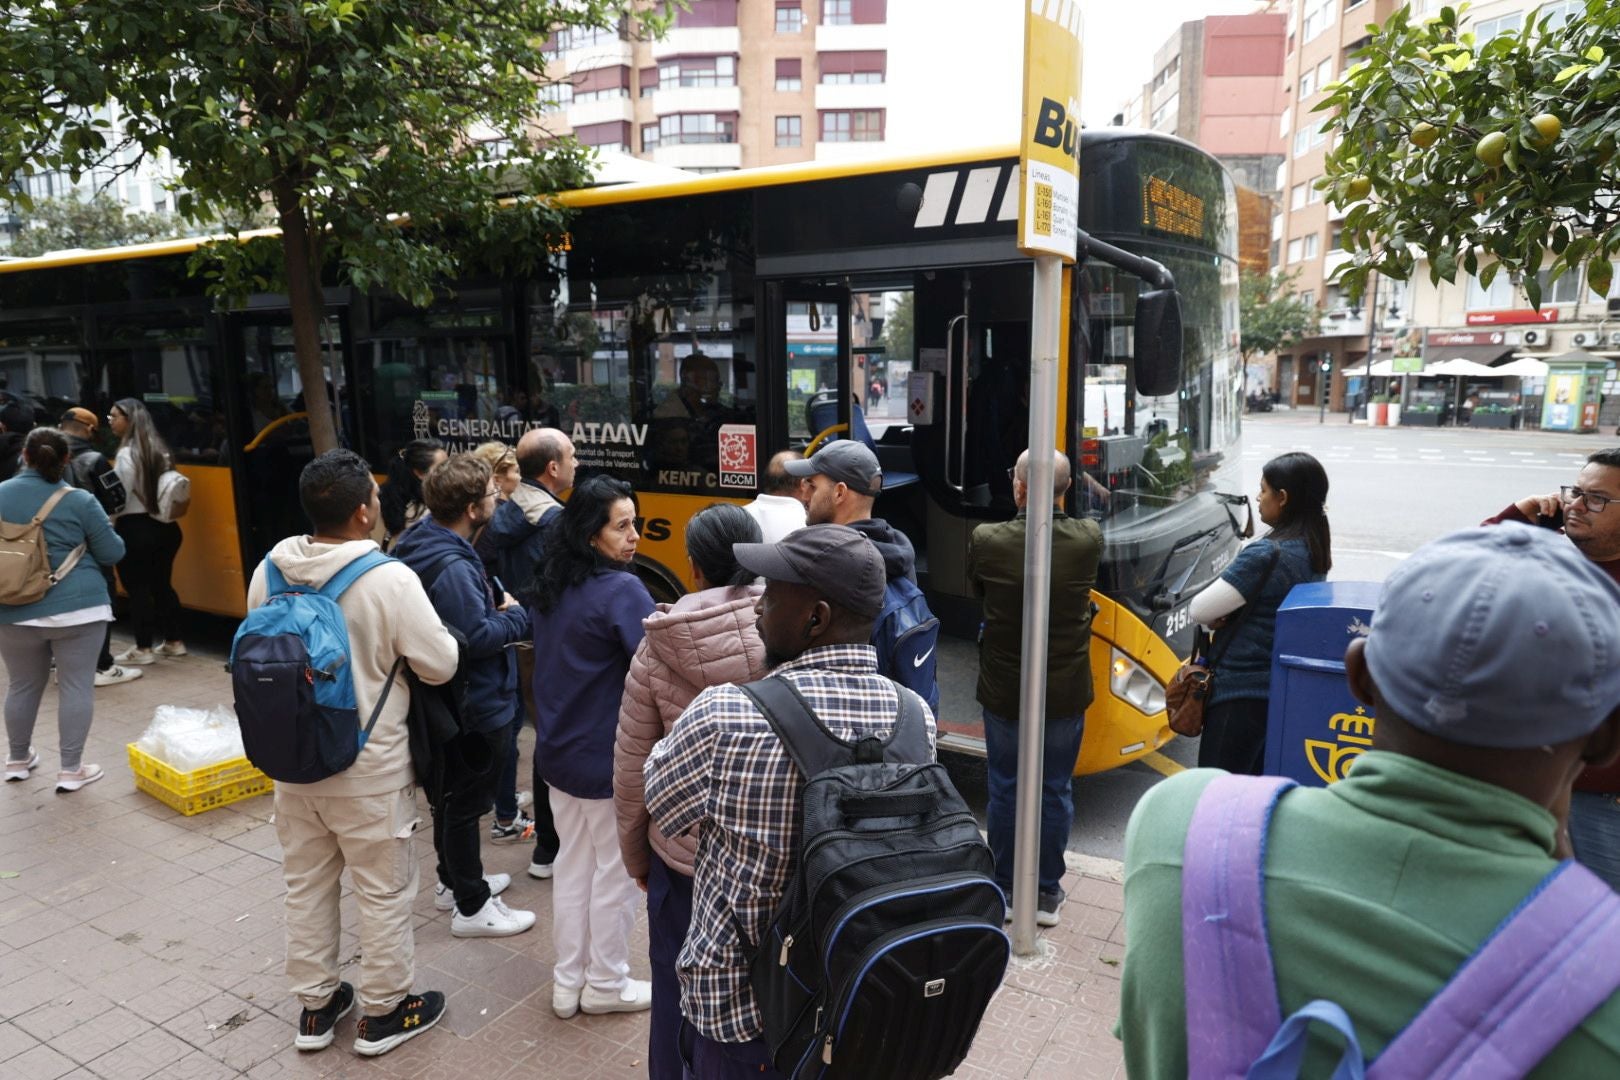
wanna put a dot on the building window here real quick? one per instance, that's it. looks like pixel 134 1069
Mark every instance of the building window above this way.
pixel 691 71
pixel 1287 119
pixel 1318 16
pixel 601 84
pixel 837 12
pixel 1167 72
pixel 557 93
pixel 708 13
pixel 1496 298
pixel 1310 246
pixel 686 128
pixel 1324 73
pixel 586 37
pixel 613 135
pixel 1296 197
pixel 649 138
pixel 1307 85
pixel 789 131
pixel 1296 249
pixel 1556 15
pixel 649 81
pixel 789 74
pixel 1165 115
pixel 1486 29
pixel 860 125
pixel 1336 238
pixel 852 67
pixel 789 16
pixel 1316 195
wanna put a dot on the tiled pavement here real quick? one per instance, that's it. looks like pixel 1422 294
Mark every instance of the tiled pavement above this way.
pixel 136 943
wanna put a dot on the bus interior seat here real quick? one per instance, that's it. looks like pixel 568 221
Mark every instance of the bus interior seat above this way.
pixel 822 412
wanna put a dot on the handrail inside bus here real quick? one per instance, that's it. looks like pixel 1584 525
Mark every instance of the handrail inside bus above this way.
pixel 823 436
pixel 270 427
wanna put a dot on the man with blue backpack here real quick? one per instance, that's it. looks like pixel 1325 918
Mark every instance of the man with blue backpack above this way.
pixel 1421 917
pixel 844 480
pixel 322 699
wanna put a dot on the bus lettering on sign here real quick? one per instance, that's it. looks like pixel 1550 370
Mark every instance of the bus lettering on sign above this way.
pixel 1049 158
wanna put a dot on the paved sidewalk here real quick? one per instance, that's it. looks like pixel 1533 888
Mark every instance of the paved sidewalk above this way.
pixel 138 943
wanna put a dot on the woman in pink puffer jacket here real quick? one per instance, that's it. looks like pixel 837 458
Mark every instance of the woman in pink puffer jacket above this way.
pixel 707 638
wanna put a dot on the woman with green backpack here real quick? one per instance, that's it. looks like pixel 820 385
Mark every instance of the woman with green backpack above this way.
pixel 54 606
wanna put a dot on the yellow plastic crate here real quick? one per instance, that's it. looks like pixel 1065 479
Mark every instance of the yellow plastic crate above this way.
pixel 200 789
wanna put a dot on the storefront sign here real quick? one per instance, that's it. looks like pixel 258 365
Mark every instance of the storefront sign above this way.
pixel 1049 152
pixel 1406 365
pixel 1502 318
pixel 1441 338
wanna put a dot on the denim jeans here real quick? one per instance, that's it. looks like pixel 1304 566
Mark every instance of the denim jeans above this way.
pixel 705 1059
pixel 1062 747
pixel 669 915
pixel 463 791
pixel 1594 829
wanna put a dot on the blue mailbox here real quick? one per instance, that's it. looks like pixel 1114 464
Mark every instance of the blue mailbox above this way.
pixel 1316 728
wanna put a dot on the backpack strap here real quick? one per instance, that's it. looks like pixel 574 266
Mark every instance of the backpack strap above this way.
pixel 1231 987
pixel 340 581
pixel 73 556
pixel 382 699
pixel 812 747
pixel 1553 961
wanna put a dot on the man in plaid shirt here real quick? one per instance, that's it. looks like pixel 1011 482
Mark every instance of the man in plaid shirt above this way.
pixel 722 770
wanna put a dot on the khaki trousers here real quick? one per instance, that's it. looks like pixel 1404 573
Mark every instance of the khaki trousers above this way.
pixel 372 836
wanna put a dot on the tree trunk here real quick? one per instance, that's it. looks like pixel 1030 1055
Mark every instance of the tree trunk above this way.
pixel 307 309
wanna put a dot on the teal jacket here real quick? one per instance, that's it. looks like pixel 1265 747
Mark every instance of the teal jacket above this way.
pixel 77 519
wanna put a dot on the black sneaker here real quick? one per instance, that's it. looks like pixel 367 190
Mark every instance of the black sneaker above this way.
pixel 315 1026
pixel 380 1034
pixel 1046 907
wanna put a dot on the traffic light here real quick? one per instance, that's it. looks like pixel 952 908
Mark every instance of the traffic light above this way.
pixel 1325 364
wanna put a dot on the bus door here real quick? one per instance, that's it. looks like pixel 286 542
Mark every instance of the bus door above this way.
pixel 270 430
pixel 808 341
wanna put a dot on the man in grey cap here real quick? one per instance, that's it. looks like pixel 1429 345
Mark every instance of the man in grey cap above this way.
pixel 844 480
pixel 722 772
pixel 1493 668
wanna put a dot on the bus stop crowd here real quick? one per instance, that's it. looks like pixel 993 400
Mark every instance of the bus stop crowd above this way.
pixel 1492 667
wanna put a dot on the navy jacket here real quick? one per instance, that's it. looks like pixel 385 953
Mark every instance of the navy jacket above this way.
pixel 512 543
pixel 454 578
pixel 582 651
pixel 1243 670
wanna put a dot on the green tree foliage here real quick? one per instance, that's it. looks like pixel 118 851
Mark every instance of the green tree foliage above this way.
pixel 1271 315
pixel 899 332
pixel 349 117
pixel 99 221
pixel 1480 156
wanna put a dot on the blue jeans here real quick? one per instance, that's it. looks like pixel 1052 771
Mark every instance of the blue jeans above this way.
pixel 1594 829
pixel 1061 749
pixel 669 916
pixel 506 782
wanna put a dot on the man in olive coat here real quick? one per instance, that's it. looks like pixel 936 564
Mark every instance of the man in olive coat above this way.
pixel 996 569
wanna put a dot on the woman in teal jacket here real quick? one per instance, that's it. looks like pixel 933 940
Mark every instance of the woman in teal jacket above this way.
pixel 66 625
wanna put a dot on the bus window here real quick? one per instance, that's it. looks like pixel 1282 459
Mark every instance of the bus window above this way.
pixel 40 362
pixel 166 360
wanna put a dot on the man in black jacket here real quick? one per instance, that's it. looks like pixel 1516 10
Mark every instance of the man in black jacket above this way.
pixel 460 496
pixel 88 468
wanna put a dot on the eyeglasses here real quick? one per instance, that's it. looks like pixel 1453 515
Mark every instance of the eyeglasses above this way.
pixel 492 493
pixel 1594 501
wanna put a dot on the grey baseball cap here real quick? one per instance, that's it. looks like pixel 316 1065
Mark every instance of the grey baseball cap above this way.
pixel 1504 637
pixel 835 560
pixel 846 461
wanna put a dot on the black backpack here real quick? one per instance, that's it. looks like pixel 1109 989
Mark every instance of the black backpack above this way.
pixel 887 946
pixel 92 472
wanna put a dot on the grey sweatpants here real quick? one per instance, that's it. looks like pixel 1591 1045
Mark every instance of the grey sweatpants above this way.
pixel 28 652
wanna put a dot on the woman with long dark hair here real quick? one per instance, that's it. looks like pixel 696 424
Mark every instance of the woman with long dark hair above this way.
pixel 64 627
pixel 401 493
pixel 151 543
pixel 1241 607
pixel 587 615
pixel 707 638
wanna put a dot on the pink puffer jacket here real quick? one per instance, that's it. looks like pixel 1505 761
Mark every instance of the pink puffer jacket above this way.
pixel 704 639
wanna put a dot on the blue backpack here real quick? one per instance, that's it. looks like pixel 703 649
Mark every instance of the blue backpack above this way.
pixel 906 635
pixel 294 681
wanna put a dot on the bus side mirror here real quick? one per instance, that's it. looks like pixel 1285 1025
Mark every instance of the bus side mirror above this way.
pixel 1158 343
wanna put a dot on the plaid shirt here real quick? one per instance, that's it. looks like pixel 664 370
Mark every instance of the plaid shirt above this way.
pixel 721 767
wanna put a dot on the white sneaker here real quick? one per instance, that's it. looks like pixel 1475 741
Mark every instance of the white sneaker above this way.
pixel 73 781
pixel 115 675
pixel 564 1003
pixel 136 655
pixel 494 919
pixel 525 799
pixel 19 770
pixel 635 997
pixel 541 870
pixel 170 648
pixel 444 899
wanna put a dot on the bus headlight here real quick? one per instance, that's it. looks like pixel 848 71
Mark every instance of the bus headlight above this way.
pixel 1132 683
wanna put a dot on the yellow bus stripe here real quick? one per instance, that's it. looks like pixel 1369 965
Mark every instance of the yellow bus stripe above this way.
pixel 1161 764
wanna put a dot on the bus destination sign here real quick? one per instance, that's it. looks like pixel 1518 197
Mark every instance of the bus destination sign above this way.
pixel 1171 209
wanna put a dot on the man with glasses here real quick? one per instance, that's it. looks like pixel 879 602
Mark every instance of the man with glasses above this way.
pixel 1588 512
pixel 460 495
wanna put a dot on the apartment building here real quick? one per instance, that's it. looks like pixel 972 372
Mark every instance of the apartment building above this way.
pixel 734 84
pixel 1395 318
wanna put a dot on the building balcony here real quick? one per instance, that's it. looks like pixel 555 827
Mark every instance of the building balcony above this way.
pixel 699 155
pixel 1333 260
pixel 1344 323
pixel 600 112
pixel 859 37
pixel 697 99
pixel 850 151
pixel 597 55
pixel 852 96
pixel 699 41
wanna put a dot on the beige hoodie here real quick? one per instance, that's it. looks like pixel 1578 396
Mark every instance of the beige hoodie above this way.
pixel 388 615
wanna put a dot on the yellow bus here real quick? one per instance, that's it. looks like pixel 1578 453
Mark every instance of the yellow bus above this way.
pixel 688 330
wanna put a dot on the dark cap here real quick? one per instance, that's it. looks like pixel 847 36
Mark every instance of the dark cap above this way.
pixel 845 461
pixel 835 560
pixel 16 417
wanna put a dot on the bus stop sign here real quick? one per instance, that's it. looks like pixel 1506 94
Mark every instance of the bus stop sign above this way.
pixel 1049 142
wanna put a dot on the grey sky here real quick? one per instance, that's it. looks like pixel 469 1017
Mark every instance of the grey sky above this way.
pixel 956 66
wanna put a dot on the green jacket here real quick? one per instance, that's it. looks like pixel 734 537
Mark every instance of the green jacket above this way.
pixel 995 566
pixel 1377 890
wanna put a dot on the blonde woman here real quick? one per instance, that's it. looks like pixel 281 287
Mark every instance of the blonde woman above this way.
pixel 502 461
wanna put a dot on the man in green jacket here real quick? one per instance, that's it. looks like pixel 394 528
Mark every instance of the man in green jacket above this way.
pixel 996 568
pixel 1491 670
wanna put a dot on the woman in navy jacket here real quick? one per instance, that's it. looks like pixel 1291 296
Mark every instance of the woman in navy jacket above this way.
pixel 66 625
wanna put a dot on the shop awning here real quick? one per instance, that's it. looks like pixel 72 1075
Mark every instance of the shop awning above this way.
pixel 1479 354
pixel 1468 369
pixel 1525 367
pixel 1378 370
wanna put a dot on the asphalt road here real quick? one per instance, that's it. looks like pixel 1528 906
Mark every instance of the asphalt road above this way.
pixel 1392 490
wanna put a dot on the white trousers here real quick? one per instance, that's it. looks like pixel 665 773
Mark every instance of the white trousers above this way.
pixel 593 897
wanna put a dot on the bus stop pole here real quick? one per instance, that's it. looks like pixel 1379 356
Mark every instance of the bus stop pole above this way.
pixel 1043 397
